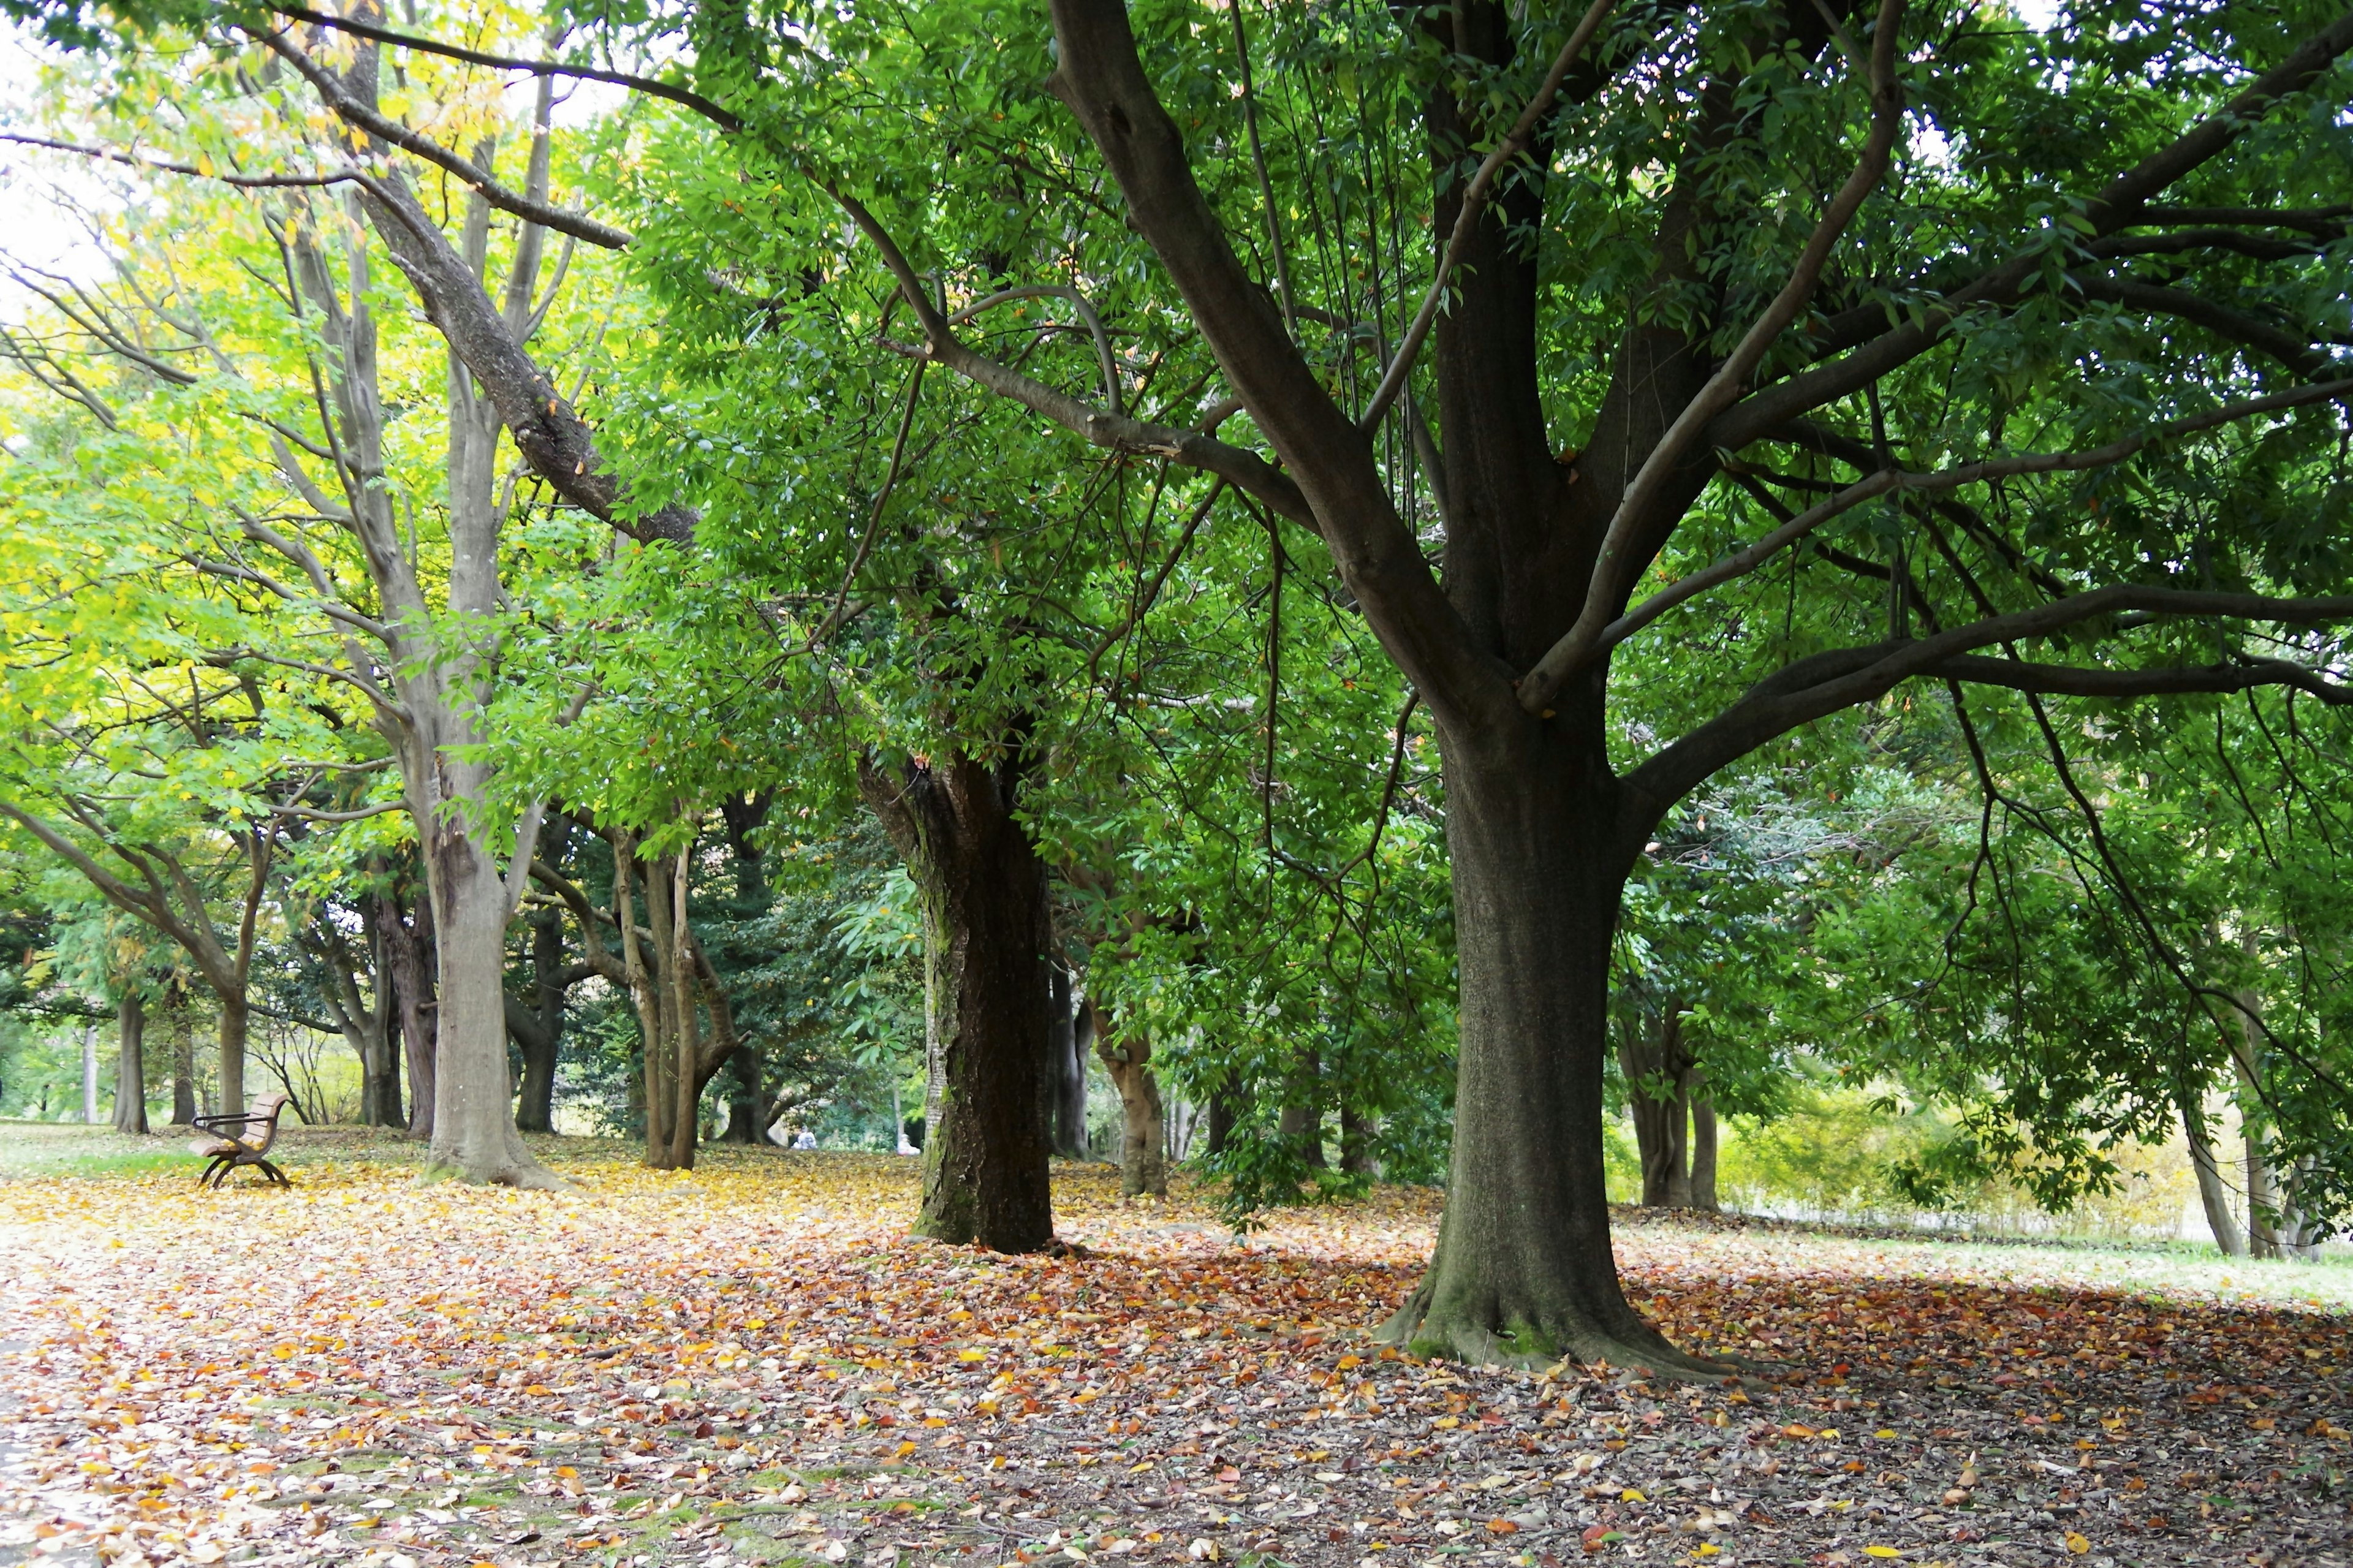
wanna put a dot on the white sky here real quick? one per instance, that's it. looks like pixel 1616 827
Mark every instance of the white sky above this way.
pixel 35 229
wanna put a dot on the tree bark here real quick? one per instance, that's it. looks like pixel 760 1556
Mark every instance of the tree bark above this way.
pixel 1066 1079
pixel 985 931
pixel 1226 1104
pixel 1302 1123
pixel 1142 1149
pixel 131 1064
pixel 1660 1123
pixel 183 1061
pixel 234 1019
pixel 408 951
pixel 1703 1143
pixel 2214 1193
pixel 1523 1271
pixel 474 1135
pixel 535 1111
pixel 1356 1156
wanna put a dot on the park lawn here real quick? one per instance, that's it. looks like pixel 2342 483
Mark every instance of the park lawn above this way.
pixel 750 1363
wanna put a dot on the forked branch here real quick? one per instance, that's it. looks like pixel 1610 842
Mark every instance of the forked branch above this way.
pixel 1651 481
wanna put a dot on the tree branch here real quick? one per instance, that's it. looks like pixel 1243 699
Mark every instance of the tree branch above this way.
pixel 1474 203
pixel 1811 688
pixel 1607 582
pixel 1742 561
pixel 352 112
pixel 2118 205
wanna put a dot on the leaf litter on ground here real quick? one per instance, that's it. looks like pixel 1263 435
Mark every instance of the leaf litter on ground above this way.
pixel 751 1363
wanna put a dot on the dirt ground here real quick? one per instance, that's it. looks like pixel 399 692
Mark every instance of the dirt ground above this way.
pixel 750 1363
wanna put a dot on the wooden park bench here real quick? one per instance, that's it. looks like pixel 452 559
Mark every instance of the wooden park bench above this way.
pixel 242 1139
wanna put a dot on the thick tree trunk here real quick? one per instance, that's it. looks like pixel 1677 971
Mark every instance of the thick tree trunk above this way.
pixel 985 1142
pixel 474 1136
pixel 1142 1154
pixel 1066 1077
pixel 131 1064
pixel 1523 1271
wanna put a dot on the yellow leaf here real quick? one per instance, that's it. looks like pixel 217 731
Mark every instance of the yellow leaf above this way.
pixel 1884 1432
pixel 2077 1545
pixel 1631 1495
pixel 969 1355
pixel 1446 1423
pixel 1881 1551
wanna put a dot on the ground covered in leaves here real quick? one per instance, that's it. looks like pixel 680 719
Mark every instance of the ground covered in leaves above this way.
pixel 749 1363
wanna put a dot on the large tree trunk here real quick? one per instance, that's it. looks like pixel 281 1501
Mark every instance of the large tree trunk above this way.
pixel 131 1064
pixel 985 1142
pixel 1066 1077
pixel 474 1135
pixel 1142 1154
pixel 1523 1271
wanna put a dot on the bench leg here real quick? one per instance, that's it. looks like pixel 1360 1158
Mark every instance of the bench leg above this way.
pixel 273 1172
pixel 205 1178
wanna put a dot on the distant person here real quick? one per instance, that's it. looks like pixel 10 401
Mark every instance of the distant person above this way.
pixel 805 1138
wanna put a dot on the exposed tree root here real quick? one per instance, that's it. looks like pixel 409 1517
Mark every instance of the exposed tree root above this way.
pixel 1642 1350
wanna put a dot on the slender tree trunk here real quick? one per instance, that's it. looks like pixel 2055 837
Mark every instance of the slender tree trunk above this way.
pixel 1703 1143
pixel 1226 1105
pixel 688 1088
pixel 410 945
pixel 90 1074
pixel 2268 1221
pixel 184 1066
pixel 131 1064
pixel 746 1097
pixel 985 1142
pixel 1658 1123
pixel 1523 1270
pixel 2212 1192
pixel 1302 1123
pixel 1143 1152
pixel 535 1111
pixel 1067 1079
pixel 1356 1156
